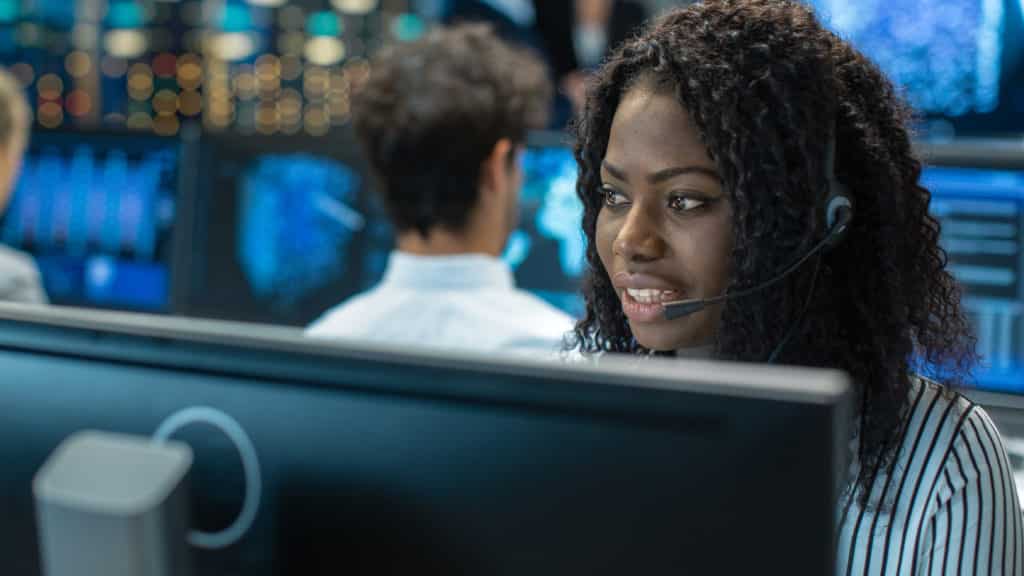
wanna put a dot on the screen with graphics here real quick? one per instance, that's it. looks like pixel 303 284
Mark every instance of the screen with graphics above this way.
pixel 97 212
pixel 284 229
pixel 296 215
pixel 546 251
pixel 982 217
pixel 961 61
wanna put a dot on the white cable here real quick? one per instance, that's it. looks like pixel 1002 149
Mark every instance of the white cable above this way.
pixel 250 467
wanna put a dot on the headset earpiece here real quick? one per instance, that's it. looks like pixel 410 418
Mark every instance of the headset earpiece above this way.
pixel 838 207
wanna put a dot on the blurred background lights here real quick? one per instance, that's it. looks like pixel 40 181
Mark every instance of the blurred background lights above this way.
pixel 8 10
pixel 232 46
pixel 50 87
pixel 408 27
pixel 324 50
pixel 130 43
pixel 24 72
pixel 356 6
pixel 79 103
pixel 324 23
pixel 125 14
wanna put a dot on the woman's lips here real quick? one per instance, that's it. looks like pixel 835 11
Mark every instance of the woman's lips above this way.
pixel 646 304
pixel 643 295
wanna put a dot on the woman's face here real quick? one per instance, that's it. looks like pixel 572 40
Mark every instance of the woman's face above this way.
pixel 664 231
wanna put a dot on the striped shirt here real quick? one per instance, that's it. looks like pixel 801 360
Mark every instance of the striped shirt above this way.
pixel 948 507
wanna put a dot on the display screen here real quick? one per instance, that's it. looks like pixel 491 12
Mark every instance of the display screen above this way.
pixel 97 212
pixel 959 62
pixel 285 228
pixel 546 251
pixel 982 216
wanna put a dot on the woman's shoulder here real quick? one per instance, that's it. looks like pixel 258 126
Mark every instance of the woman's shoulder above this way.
pixel 948 428
pixel 937 431
pixel 938 414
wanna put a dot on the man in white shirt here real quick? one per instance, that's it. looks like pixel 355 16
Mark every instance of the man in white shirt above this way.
pixel 441 122
pixel 19 275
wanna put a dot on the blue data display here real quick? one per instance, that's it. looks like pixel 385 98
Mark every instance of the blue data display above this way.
pixel 97 215
pixel 305 232
pixel 982 216
pixel 547 250
pixel 948 54
pixel 298 215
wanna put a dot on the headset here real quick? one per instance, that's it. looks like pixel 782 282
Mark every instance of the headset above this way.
pixel 837 208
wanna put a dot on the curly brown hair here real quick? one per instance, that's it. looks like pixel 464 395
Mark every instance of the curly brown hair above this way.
pixel 767 86
pixel 431 112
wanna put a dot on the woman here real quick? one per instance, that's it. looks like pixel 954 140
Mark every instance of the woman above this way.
pixel 705 170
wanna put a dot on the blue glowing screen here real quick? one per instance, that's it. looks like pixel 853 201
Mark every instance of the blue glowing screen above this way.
pixel 283 229
pixel 97 214
pixel 286 234
pixel 982 216
pixel 954 58
pixel 298 214
pixel 547 250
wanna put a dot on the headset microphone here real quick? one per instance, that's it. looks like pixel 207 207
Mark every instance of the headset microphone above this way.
pixel 838 211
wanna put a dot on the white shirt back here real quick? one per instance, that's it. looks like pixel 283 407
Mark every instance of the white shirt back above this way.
pixel 466 301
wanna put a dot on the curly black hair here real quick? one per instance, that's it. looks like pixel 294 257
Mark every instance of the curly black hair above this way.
pixel 767 87
pixel 431 112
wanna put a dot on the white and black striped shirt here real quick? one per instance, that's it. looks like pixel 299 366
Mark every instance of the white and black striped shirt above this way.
pixel 949 506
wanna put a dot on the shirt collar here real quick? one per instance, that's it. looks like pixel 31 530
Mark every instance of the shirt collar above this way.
pixel 450 272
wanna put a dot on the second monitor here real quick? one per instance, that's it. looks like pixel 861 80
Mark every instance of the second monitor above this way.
pixel 97 210
pixel 286 227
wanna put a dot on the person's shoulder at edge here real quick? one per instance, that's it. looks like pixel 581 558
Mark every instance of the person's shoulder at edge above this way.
pixel 967 429
pixel 943 396
pixel 20 280
pixel 338 319
pixel 540 310
pixel 542 329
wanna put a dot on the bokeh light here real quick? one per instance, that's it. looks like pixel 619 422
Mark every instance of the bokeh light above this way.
pixel 78 64
pixel 165 102
pixel 130 43
pixel 50 114
pixel 50 87
pixel 324 50
pixel 24 72
pixel 190 103
pixel 114 67
pixel 356 6
pixel 79 103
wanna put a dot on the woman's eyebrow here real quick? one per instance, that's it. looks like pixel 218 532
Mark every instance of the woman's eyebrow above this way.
pixel 662 175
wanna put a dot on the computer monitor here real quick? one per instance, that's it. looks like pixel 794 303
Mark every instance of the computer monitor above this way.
pixel 960 62
pixel 376 461
pixel 97 211
pixel 547 250
pixel 286 227
pixel 978 197
pixel 283 228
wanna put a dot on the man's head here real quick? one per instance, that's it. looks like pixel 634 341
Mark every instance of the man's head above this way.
pixel 441 121
pixel 14 125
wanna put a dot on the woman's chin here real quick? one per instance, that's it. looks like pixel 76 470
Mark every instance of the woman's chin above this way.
pixel 663 340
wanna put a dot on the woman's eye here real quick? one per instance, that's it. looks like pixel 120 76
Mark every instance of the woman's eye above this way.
pixel 613 197
pixel 685 203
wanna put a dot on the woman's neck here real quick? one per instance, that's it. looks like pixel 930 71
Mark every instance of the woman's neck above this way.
pixel 705 352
